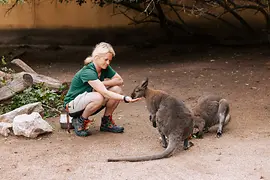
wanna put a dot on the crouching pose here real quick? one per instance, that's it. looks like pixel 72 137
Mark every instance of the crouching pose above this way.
pixel 211 110
pixel 94 87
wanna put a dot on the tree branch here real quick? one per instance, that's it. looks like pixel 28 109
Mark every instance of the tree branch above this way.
pixel 236 15
pixel 136 21
pixel 185 27
pixel 9 9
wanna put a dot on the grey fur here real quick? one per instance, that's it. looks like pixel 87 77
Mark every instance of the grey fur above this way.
pixel 173 120
pixel 152 119
pixel 209 111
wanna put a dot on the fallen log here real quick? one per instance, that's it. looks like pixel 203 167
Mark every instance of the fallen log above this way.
pixel 18 84
pixel 23 65
pixel 5 75
pixel 23 80
pixel 39 78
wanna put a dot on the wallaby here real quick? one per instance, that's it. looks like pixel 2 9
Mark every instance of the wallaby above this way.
pixel 209 111
pixel 171 117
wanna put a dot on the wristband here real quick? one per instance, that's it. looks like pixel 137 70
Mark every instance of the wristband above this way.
pixel 125 99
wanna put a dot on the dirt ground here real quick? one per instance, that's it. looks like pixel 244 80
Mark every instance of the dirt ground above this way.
pixel 241 75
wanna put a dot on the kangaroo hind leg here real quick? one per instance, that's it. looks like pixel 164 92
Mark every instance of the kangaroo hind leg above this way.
pixel 164 141
pixel 223 115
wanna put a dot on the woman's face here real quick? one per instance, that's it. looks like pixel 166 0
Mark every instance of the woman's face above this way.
pixel 105 60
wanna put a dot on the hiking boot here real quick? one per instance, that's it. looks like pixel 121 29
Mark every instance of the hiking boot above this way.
pixel 107 124
pixel 79 127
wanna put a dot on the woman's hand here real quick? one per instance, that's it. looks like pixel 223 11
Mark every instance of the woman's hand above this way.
pixel 128 99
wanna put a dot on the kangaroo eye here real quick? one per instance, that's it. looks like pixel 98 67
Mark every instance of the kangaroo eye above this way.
pixel 137 90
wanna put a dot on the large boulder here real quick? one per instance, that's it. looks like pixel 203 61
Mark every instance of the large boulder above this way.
pixel 30 125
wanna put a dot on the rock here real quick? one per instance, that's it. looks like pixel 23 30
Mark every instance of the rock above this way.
pixel 26 109
pixel 30 125
pixel 4 128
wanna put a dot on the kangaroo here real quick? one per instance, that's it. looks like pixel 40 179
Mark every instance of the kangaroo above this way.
pixel 209 111
pixel 171 117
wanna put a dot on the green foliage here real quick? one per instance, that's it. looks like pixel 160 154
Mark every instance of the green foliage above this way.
pixel 3 60
pixel 51 100
pixel 5 69
pixel 12 2
pixel 3 66
pixel 3 1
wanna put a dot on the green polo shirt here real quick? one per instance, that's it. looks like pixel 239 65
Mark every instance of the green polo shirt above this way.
pixel 79 83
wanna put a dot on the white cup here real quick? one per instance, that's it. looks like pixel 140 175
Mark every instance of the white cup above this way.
pixel 63 118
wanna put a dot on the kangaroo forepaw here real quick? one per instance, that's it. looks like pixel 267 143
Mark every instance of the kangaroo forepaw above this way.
pixel 153 120
pixel 154 124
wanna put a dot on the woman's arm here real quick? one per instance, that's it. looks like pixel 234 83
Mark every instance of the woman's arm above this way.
pixel 116 80
pixel 99 87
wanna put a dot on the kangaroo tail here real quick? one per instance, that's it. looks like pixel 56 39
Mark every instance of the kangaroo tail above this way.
pixel 168 151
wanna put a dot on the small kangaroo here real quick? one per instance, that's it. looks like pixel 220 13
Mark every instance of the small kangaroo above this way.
pixel 172 118
pixel 209 111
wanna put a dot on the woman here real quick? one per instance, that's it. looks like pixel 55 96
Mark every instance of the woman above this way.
pixel 94 87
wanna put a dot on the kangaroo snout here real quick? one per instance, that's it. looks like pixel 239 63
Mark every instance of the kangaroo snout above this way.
pixel 133 95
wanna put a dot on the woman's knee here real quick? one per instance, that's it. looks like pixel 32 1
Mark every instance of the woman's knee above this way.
pixel 95 98
pixel 116 89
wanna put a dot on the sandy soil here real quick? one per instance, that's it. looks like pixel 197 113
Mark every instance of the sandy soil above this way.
pixel 241 75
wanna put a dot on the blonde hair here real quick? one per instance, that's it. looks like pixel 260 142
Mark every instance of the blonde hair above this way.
pixel 100 48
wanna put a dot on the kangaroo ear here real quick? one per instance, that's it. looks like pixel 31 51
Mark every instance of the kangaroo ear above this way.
pixel 145 83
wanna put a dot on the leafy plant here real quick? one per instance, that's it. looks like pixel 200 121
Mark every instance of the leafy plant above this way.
pixel 3 1
pixel 3 60
pixel 5 69
pixel 51 100
pixel 3 66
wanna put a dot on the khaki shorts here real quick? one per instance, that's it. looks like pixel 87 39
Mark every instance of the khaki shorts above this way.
pixel 81 101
